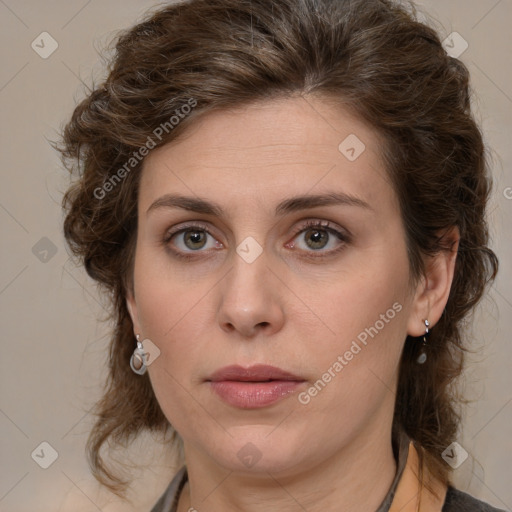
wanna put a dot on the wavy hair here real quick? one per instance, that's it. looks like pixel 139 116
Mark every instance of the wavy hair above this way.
pixel 373 57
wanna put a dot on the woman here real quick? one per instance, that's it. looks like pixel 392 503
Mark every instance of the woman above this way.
pixel 286 201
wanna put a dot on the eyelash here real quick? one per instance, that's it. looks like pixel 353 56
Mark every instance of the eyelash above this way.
pixel 312 224
pixel 343 237
pixel 183 229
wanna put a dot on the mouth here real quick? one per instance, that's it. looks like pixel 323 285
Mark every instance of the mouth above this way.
pixel 255 373
pixel 253 387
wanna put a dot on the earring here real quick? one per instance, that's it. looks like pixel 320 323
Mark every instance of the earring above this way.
pixel 423 354
pixel 138 359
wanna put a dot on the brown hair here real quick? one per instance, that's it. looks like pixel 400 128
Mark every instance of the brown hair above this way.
pixel 372 56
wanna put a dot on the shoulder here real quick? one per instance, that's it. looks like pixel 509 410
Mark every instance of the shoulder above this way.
pixel 459 501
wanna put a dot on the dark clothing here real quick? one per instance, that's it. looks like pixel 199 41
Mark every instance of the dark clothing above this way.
pixel 458 501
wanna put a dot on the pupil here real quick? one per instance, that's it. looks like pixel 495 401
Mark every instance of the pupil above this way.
pixel 195 237
pixel 317 237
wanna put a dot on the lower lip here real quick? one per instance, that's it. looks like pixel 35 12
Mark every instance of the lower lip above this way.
pixel 251 395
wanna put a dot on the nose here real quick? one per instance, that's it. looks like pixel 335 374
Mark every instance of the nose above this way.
pixel 250 302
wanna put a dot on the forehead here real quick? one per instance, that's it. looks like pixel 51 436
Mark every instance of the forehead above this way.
pixel 270 148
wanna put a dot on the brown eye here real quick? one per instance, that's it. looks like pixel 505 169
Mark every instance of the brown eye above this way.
pixel 194 239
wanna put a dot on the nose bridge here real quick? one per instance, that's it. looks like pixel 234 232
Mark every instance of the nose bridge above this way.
pixel 249 297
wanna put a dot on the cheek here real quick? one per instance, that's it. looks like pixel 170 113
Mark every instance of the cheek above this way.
pixel 370 293
pixel 164 297
pixel 170 316
pixel 178 402
pixel 165 309
pixel 366 312
pixel 356 369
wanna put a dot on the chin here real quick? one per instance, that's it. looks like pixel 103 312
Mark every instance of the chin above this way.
pixel 256 452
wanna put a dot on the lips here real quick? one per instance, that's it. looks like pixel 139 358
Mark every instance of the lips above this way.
pixel 256 373
pixel 253 387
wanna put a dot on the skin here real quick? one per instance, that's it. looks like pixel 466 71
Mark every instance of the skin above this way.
pixel 296 306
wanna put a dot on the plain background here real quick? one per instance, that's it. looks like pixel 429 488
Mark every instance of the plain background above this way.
pixel 54 346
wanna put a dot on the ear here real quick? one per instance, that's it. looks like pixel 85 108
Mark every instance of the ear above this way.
pixel 433 289
pixel 132 309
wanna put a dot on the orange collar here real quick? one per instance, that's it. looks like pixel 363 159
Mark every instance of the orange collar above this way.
pixel 410 495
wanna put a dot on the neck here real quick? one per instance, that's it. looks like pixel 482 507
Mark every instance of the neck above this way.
pixel 357 478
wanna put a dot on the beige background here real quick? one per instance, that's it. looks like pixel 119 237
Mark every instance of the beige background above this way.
pixel 53 346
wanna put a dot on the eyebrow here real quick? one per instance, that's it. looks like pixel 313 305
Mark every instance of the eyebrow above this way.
pixel 293 204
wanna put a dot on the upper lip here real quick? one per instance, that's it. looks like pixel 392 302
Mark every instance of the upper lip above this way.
pixel 255 373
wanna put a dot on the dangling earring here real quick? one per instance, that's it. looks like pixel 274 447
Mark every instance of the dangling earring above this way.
pixel 138 359
pixel 423 354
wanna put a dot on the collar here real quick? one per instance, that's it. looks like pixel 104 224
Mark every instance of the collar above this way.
pixel 411 493
pixel 401 451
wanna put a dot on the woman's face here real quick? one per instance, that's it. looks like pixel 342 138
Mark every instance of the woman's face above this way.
pixel 231 270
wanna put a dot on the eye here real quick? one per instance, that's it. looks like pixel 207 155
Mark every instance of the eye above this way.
pixel 312 237
pixel 192 238
pixel 319 236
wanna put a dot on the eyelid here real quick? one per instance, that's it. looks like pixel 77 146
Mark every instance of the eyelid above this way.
pixel 200 226
pixel 180 228
pixel 343 235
